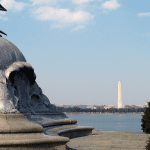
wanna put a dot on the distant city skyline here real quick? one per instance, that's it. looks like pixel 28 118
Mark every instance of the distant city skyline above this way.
pixel 101 106
pixel 80 49
pixel 95 105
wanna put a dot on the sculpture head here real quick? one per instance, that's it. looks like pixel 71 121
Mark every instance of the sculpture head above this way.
pixel 16 78
pixel 18 88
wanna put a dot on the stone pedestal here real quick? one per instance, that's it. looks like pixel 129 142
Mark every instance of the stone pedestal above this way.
pixel 18 133
pixel 40 132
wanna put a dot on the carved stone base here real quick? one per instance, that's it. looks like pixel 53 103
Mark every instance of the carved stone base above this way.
pixel 37 141
pixel 18 133
pixel 17 123
pixel 40 132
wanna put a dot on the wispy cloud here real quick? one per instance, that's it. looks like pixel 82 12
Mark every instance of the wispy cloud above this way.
pixel 43 2
pixel 78 28
pixel 146 14
pixel 3 18
pixel 110 5
pixel 13 5
pixel 61 15
pixel 81 1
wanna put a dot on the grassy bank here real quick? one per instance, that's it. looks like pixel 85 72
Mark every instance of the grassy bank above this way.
pixel 83 113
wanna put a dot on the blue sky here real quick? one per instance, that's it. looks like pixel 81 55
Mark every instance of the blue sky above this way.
pixel 81 49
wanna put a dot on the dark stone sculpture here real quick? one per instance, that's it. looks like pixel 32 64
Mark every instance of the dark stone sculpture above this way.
pixel 19 91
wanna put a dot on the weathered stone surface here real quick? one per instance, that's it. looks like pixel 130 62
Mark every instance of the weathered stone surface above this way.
pixel 48 120
pixel 38 141
pixel 110 140
pixel 9 54
pixel 70 131
pixel 19 91
pixel 18 123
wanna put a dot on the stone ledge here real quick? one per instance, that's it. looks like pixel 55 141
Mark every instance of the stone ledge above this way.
pixel 59 122
pixel 30 138
pixel 17 123
pixel 50 120
pixel 32 141
pixel 70 131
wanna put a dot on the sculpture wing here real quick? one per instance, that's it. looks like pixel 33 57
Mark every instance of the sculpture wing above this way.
pixel 2 8
pixel 3 32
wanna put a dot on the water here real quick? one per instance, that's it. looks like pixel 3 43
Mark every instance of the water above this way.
pixel 127 123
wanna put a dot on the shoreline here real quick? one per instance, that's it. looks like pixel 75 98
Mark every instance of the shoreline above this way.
pixel 80 113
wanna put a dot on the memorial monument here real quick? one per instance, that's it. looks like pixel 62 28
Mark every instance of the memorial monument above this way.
pixel 27 118
pixel 119 95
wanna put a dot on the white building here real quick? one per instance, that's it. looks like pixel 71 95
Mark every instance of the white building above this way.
pixel 110 106
pixel 119 95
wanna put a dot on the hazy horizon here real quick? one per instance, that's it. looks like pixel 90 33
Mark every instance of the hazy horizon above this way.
pixel 81 49
pixel 95 105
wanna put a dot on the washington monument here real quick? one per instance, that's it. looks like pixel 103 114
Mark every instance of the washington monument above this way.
pixel 119 95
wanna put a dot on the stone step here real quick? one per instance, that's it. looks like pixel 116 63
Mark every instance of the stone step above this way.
pixel 40 132
pixel 70 131
pixel 38 141
pixel 50 120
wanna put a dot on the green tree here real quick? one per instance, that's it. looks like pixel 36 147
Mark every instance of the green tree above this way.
pixel 146 119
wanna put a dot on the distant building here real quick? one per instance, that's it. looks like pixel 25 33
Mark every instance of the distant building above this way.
pixel 101 107
pixel 110 106
pixel 89 106
pixel 119 95
pixel 93 107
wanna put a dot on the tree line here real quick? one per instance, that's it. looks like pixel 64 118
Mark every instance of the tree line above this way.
pixel 102 110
